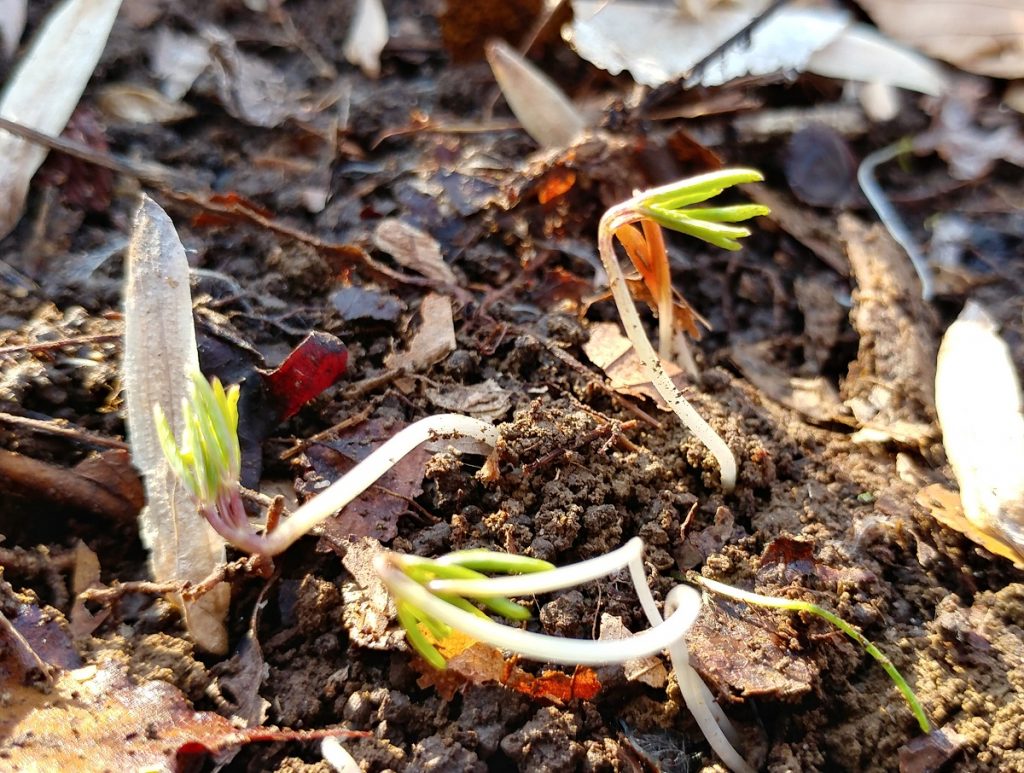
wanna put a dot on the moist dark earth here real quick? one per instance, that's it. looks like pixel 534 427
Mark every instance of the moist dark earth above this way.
pixel 819 293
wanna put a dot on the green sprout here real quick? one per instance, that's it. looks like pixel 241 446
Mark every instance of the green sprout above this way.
pixel 671 206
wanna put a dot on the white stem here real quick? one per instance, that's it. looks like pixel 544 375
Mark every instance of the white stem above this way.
pixel 368 471
pixel 538 646
pixel 617 216
pixel 544 582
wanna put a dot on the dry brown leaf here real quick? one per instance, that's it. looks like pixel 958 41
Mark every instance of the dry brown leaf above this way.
pixel 137 104
pixel 612 352
pixel 44 91
pixel 368 610
pixel 435 339
pixel 944 506
pixel 413 248
pixel 375 512
pixel 486 400
pixel 981 36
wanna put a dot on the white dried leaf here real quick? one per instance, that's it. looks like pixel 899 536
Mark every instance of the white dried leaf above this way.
pixel 658 44
pixel 978 400
pixel 159 356
pixel 44 90
pixel 985 37
pixel 413 248
pixel 12 23
pixel 545 112
pixel 367 37
pixel 434 340
pixel 487 400
pixel 129 103
pixel 650 670
pixel 860 53
pixel 177 60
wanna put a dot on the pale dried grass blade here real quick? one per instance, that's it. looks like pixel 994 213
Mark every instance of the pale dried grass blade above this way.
pixel 545 112
pixel 978 400
pixel 159 356
pixel 12 23
pixel 44 90
pixel 367 37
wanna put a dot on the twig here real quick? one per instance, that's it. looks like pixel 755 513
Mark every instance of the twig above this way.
pixel 62 428
pixel 63 343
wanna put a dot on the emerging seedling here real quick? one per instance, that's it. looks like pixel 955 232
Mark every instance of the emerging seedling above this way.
pixel 207 461
pixel 671 206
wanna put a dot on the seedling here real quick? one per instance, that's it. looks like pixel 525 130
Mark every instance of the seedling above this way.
pixel 671 206
pixel 435 597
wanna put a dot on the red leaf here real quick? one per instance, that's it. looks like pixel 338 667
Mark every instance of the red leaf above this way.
pixel 312 366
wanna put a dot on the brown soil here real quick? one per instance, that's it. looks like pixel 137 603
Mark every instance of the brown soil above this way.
pixel 949 614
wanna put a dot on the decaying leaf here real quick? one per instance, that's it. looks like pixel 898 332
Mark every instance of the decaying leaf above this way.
pixel 367 37
pixel 130 103
pixel 978 400
pixel 177 60
pixel 374 513
pixel 473 663
pixel 650 670
pixel 981 36
pixel 545 112
pixel 434 340
pixel 368 611
pixel 658 44
pixel 486 400
pixel 612 352
pixel 944 506
pixel 44 90
pixel 413 248
pixel 159 356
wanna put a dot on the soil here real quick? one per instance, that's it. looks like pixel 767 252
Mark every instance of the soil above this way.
pixel 816 513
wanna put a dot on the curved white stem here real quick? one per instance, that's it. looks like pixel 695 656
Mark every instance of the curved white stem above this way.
pixel 368 471
pixel 538 646
pixel 616 217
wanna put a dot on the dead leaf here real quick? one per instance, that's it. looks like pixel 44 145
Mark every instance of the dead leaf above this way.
pixel 658 44
pixel 360 303
pixel 413 248
pixel 650 670
pixel 970 150
pixel 612 352
pixel 367 37
pixel 137 104
pixel 44 90
pixel 86 575
pixel 486 400
pixel 368 611
pixel 374 513
pixel 177 60
pixel 986 38
pixel 545 112
pixel 932 752
pixel 978 398
pixel 249 88
pixel 434 340
pixel 159 354
pixel 944 506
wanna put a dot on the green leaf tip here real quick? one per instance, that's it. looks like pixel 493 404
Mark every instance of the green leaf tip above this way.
pixel 670 206
pixel 208 458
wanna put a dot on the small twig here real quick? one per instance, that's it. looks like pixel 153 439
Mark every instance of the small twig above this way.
pixel 341 426
pixel 360 389
pixel 62 428
pixel 63 343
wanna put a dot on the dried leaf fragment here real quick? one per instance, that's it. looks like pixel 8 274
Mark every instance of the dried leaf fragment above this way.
pixel 545 112
pixel 130 103
pixel 159 356
pixel 978 400
pixel 367 37
pixel 413 248
pixel 435 339
pixel 612 352
pixel 44 90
